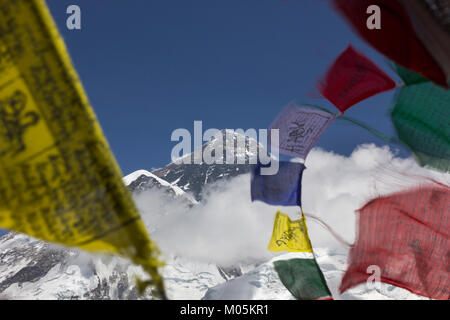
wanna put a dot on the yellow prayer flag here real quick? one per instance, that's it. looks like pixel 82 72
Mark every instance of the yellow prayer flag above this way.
pixel 59 181
pixel 289 235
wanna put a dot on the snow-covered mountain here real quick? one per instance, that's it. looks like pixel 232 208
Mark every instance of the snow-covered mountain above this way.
pixel 193 177
pixel 32 269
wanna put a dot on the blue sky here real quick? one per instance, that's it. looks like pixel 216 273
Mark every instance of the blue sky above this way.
pixel 150 67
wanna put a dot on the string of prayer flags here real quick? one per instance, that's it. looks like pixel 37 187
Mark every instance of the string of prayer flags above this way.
pixel 298 271
pixel 396 38
pixel 59 181
pixel 421 117
pixel 407 236
pixel 299 129
pixel 353 78
pixel 289 235
pixel 282 188
pixel 359 123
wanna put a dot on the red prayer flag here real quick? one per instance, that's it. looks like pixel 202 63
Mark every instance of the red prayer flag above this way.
pixel 432 24
pixel 353 78
pixel 396 39
pixel 406 235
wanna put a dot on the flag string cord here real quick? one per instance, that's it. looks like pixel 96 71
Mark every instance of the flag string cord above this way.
pixel 327 227
pixel 341 117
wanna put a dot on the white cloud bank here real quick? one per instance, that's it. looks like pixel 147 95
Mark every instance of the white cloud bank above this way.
pixel 229 229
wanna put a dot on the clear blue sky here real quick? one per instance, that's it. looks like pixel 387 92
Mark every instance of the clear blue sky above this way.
pixel 150 67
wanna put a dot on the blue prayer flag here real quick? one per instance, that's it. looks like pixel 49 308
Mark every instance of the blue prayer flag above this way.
pixel 283 188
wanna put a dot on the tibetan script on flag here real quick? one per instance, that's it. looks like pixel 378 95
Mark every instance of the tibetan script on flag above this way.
pixel 58 179
pixel 289 235
pixel 353 78
pixel 299 129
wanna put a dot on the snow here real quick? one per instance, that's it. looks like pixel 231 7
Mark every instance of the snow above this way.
pixel 189 280
pixel 185 279
pixel 53 286
pixel 128 179
pixel 135 175
pixel 262 283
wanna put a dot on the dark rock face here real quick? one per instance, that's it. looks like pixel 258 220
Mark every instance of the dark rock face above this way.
pixel 230 272
pixel 144 182
pixel 193 177
pixel 40 257
pixel 39 267
pixel 125 290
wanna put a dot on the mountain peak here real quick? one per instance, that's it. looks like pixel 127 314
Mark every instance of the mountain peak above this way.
pixel 136 174
pixel 142 180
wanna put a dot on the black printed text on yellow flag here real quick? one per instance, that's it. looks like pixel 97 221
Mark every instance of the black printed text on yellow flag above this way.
pixel 58 179
pixel 289 235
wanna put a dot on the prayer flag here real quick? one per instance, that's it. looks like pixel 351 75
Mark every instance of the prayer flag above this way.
pixel 397 38
pixel 409 77
pixel 283 188
pixel 59 181
pixel 407 235
pixel 299 129
pixel 353 78
pixel 289 235
pixel 303 278
pixel 299 272
pixel 431 21
pixel 421 118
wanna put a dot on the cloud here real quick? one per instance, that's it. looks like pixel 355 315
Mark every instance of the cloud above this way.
pixel 226 229
pixel 335 186
pixel 229 229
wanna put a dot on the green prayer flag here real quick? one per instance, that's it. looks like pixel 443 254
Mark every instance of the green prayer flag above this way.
pixel 303 278
pixel 409 77
pixel 421 117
